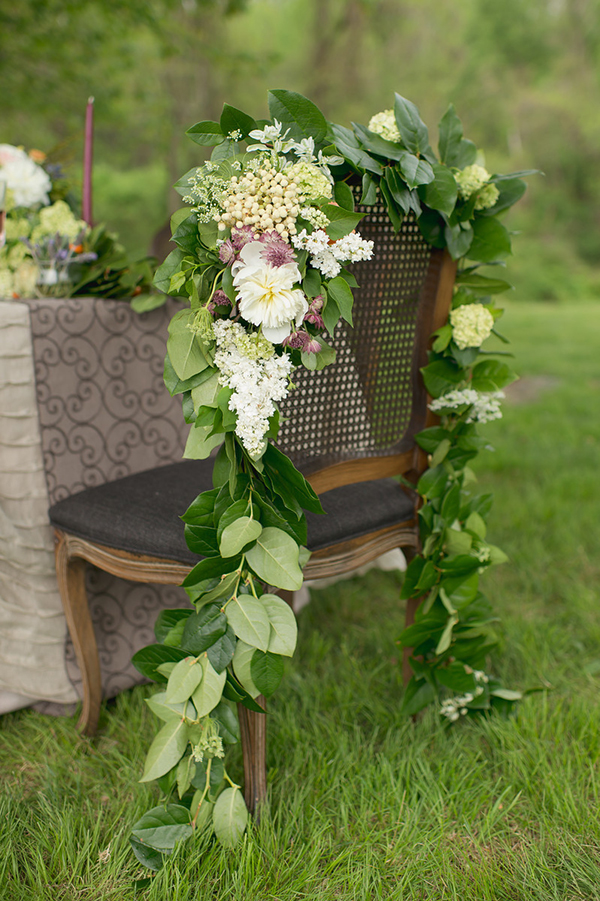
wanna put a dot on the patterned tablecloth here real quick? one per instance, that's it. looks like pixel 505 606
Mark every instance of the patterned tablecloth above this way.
pixel 82 402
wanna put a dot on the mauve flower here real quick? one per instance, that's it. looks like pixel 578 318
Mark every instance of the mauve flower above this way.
pixel 276 251
pixel 219 299
pixel 314 314
pixel 297 340
pixel 313 346
pixel 227 253
pixel 242 236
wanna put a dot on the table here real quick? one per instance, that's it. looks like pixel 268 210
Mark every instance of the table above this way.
pixel 82 402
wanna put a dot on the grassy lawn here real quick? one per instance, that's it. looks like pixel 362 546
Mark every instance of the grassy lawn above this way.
pixel 364 805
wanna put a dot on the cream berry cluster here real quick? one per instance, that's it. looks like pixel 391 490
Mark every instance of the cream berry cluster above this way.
pixel 264 199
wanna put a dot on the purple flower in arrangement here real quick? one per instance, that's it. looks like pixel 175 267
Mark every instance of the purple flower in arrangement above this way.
pixel 227 253
pixel 296 340
pixel 277 252
pixel 314 314
pixel 242 236
pixel 312 346
pixel 219 299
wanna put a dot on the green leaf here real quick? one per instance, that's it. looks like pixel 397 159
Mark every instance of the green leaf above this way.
pixel 446 637
pixel 417 695
pixel 274 559
pixel 233 119
pixel 341 222
pixel 183 348
pixel 456 542
pixel 284 628
pixel 461 590
pixel 454 150
pixel 491 241
pixel 162 276
pixel 414 170
pixel 285 478
pixel 317 361
pixel 166 619
pixel 459 238
pixel 266 671
pixel 300 115
pixel 205 394
pixel 432 483
pixel 311 284
pixel 148 857
pixel 230 816
pixel 164 711
pixel 389 150
pixel 347 144
pixel 206 133
pixel 183 681
pixel 331 315
pixel 369 190
pixel 506 693
pixel 413 130
pixel 455 677
pixel 492 375
pixel 481 285
pixel 221 652
pixel 441 451
pixel 229 727
pixel 441 376
pixel 343 196
pixel 249 620
pixel 441 193
pixel 238 534
pixel 341 292
pixel 200 443
pixel 166 749
pixel 210 690
pixel 148 659
pixel 451 504
pixel 209 568
pixel 202 629
pixel 143 303
pixel 201 540
pixel 200 511
pixel 475 523
pixel 242 661
pixel 510 191
pixel 163 826
pixel 186 236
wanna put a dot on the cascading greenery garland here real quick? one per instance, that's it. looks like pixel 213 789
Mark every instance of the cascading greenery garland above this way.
pixel 261 258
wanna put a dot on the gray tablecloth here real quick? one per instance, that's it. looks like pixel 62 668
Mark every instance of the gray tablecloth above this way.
pixel 82 402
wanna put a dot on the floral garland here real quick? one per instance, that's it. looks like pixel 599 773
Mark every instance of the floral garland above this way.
pixel 261 255
pixel 46 250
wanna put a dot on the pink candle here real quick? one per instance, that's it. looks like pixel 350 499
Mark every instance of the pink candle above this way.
pixel 88 150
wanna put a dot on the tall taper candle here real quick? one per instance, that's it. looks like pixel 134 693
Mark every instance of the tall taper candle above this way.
pixel 88 152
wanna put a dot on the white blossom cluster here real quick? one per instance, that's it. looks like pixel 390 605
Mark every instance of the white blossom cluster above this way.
pixel 384 124
pixel 471 324
pixel 248 364
pixel 264 199
pixel 27 182
pixel 474 180
pixel 327 256
pixel 485 406
pixel 206 191
pixel 454 708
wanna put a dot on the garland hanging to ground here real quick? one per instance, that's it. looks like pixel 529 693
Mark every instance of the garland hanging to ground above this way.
pixel 261 254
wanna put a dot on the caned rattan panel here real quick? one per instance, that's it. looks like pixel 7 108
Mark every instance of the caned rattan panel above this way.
pixel 370 402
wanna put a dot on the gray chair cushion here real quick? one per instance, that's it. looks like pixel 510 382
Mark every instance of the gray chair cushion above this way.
pixel 141 513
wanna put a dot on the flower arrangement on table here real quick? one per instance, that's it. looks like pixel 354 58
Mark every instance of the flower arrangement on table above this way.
pixel 261 255
pixel 45 249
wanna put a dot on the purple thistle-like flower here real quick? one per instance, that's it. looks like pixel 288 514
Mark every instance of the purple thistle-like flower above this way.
pixel 312 346
pixel 219 299
pixel 277 252
pixel 297 340
pixel 242 236
pixel 315 318
pixel 227 253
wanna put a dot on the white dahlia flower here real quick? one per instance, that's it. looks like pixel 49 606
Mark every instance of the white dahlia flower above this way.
pixel 265 293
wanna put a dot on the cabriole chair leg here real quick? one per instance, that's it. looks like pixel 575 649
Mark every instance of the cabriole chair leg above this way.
pixel 253 729
pixel 70 573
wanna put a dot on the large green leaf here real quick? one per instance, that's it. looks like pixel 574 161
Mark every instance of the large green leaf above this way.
pixel 148 659
pixel 233 119
pixel 163 826
pixel 414 170
pixel 300 115
pixel 266 671
pixel 413 130
pixel 166 619
pixel 148 857
pixel 341 221
pixel 492 375
pixel 284 628
pixel 286 479
pixel 389 150
pixel 221 652
pixel 206 133
pixel 347 144
pixel 202 629
pixel 242 662
pixel 249 620
pixel 183 348
pixel 166 749
pixel 209 568
pixel 481 285
pixel 165 711
pixel 339 289
pixel 274 559
pixel 238 534
pixel 441 193
pixel 454 150
pixel 202 540
pixel 417 695
pixel 183 681
pixel 200 511
pixel 491 241
pixel 441 376
pixel 229 727
pixel 230 817
pixel 209 692
pixel 200 443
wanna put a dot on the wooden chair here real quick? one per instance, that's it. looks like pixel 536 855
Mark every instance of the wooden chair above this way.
pixel 349 428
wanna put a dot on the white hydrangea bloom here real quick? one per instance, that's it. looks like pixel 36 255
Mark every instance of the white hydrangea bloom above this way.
pixel 471 324
pixel 258 377
pixel 485 406
pixel 27 181
pixel 310 181
pixel 474 180
pixel 58 218
pixel 384 124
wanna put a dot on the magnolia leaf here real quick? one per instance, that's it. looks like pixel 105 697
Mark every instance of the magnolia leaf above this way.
pixel 229 726
pixel 413 130
pixel 200 443
pixel 166 711
pixel 248 619
pixel 233 119
pixel 242 660
pixel 221 652
pixel 238 534
pixel 166 749
pixel 284 628
pixel 166 619
pixel 163 826
pixel 266 671
pixel 209 692
pixel 206 133
pixel 183 348
pixel 203 629
pixel 230 817
pixel 341 221
pixel 298 114
pixel 454 149
pixel 148 857
pixel 204 395
pixel 492 375
pixel 148 659
pixel 456 542
pixel 446 637
pixel 274 559
pixel 339 289
pixel 491 241
pixel 414 170
pixel 441 193
pixel 183 680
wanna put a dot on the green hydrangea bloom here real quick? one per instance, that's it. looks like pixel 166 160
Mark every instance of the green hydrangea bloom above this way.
pixel 384 124
pixel 312 184
pixel 474 180
pixel 57 218
pixel 17 228
pixel 6 282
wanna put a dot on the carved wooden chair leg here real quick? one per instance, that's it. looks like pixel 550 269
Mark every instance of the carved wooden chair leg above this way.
pixel 253 728
pixel 71 583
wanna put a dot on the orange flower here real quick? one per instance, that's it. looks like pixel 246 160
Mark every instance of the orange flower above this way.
pixel 38 156
pixel 76 248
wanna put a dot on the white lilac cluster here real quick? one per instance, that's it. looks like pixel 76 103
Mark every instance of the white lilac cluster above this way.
pixel 471 324
pixel 484 406
pixel 27 184
pixel 327 256
pixel 258 377
pixel 384 124
pixel 474 180
pixel 454 708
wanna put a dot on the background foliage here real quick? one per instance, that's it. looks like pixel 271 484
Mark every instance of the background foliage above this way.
pixel 523 75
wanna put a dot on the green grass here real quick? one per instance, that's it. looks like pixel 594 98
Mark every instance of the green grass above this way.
pixel 364 805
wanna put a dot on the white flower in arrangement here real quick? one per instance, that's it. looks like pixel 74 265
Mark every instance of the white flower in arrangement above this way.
pixel 28 183
pixel 271 134
pixel 311 183
pixel 484 406
pixel 454 708
pixel 327 256
pixel 474 180
pixel 266 294
pixel 258 377
pixel 471 324
pixel 263 198
pixel 384 124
